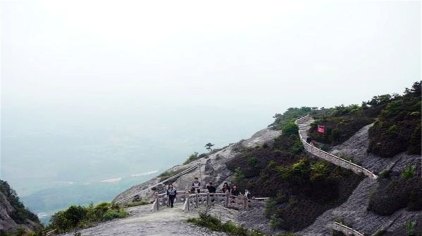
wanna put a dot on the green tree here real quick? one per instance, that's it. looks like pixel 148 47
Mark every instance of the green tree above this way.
pixel 209 146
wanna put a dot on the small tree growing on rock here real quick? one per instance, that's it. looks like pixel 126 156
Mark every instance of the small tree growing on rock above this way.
pixel 209 146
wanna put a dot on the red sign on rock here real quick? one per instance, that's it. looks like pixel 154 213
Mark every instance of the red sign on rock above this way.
pixel 321 129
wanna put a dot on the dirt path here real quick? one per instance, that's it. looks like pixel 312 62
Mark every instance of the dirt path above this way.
pixel 141 221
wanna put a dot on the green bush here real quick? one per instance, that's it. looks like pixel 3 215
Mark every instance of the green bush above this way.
pixel 395 194
pixel 81 217
pixel 398 128
pixel 339 126
pixel 289 128
pixel 112 214
pixel 409 172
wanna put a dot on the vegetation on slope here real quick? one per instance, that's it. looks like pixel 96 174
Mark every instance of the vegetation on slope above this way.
pixel 19 214
pixel 301 188
pixel 397 192
pixel 340 123
pixel 398 127
pixel 83 217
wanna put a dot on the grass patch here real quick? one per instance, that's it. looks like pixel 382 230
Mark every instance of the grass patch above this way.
pixel 137 203
pixel 76 217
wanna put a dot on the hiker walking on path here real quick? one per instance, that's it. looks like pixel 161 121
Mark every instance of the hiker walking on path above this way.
pixel 171 193
pixel 196 186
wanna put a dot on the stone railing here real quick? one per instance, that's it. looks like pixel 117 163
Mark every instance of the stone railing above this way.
pixel 345 229
pixel 132 196
pixel 192 201
pixel 328 156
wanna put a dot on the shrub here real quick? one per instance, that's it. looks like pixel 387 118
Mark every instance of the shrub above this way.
pixel 112 214
pixel 289 128
pixel 81 217
pixel 396 194
pixel 339 127
pixel 398 128
pixel 409 172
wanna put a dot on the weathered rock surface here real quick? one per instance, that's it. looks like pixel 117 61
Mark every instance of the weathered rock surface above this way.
pixel 353 212
pixel 355 148
pixel 6 222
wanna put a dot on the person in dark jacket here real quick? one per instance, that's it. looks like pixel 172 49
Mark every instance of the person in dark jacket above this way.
pixel 211 188
pixel 171 193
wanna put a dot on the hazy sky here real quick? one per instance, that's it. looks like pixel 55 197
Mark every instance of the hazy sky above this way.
pixel 91 54
pixel 72 65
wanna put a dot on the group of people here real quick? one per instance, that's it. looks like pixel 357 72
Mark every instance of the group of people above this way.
pixel 196 188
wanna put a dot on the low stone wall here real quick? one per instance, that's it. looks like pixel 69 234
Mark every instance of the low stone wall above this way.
pixel 328 156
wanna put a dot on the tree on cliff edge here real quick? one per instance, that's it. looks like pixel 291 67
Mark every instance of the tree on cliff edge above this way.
pixel 208 146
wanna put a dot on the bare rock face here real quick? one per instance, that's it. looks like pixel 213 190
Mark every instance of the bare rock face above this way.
pixel 211 168
pixel 6 222
pixel 355 148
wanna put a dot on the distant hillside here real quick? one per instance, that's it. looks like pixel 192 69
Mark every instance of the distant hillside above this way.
pixel 14 217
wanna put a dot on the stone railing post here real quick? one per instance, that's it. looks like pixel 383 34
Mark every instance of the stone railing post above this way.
pixel 155 205
pixel 226 203
pixel 186 207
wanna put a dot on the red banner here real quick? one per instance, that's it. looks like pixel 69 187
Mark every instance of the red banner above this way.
pixel 321 129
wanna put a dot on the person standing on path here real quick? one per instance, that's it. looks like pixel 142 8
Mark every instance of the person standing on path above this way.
pixel 171 193
pixel 226 187
pixel 196 185
pixel 211 190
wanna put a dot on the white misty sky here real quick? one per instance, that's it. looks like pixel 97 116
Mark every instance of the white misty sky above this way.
pixel 92 82
pixel 101 54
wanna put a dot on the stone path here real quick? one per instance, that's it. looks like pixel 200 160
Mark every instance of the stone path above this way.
pixel 141 221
